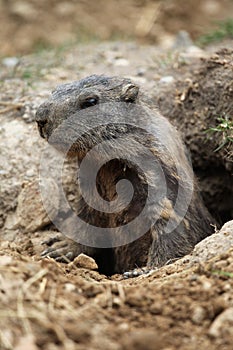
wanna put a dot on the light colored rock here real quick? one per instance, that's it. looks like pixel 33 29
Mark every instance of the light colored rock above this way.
pixel 85 262
pixel 70 287
pixel 10 62
pixel 121 62
pixel 215 244
pixel 182 40
pixel 138 80
pixel 5 260
pixel 23 9
pixel 4 244
pixel 192 52
pixel 221 323
pixel 23 149
pixel 198 315
pixel 31 211
pixel 167 79
pixel 20 152
pixel 141 72
pixel 12 221
pixel 26 342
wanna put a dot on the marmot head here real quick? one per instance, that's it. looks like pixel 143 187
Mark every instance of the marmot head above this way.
pixel 73 97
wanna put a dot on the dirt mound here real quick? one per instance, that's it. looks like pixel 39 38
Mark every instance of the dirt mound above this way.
pixel 46 305
pixel 200 104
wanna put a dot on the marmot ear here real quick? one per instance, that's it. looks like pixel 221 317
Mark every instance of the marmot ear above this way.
pixel 129 93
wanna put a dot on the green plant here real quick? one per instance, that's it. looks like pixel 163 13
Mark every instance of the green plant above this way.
pixel 225 130
pixel 224 31
pixel 222 273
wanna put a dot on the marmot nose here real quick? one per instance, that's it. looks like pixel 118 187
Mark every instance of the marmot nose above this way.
pixel 41 124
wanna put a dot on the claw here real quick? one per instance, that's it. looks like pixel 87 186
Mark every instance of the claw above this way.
pixel 136 272
pixel 63 258
pixel 46 252
pixel 50 241
pixel 61 249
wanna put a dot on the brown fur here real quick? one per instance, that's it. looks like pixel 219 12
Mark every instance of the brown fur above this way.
pixel 154 248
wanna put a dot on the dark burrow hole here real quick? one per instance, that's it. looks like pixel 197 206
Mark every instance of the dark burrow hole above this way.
pixel 216 186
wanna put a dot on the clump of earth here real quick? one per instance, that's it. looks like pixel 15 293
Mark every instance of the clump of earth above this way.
pixel 200 104
pixel 49 305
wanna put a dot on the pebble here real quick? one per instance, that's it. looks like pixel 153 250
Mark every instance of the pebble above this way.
pixel 10 62
pixel 138 80
pixel 121 62
pixel 221 322
pixel 26 342
pixel 70 287
pixel 217 243
pixel 31 209
pixel 5 260
pixel 167 79
pixel 198 315
pixel 192 52
pixel 85 262
pixel 4 244
pixel 30 173
pixel 141 72
pixel 182 40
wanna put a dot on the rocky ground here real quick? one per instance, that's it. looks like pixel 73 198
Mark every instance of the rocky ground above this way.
pixel 185 305
pixel 28 25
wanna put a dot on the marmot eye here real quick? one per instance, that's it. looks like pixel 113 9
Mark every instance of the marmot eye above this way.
pixel 89 102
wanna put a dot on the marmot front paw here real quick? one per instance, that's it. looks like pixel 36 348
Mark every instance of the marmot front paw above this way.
pixel 61 249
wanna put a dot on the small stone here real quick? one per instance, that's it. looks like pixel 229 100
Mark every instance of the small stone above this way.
pixel 69 287
pixel 10 62
pixel 192 52
pixel 167 79
pixel 116 301
pixel 26 342
pixel 141 72
pixel 124 326
pixel 85 262
pixel 12 221
pixel 30 173
pixel 33 212
pixel 216 244
pixel 138 80
pixel 221 322
pixel 182 40
pixel 5 260
pixel 198 315
pixel 4 244
pixel 207 285
pixel 121 62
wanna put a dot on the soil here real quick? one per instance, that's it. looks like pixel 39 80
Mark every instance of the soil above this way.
pixel 27 25
pixel 48 305
pixel 195 105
